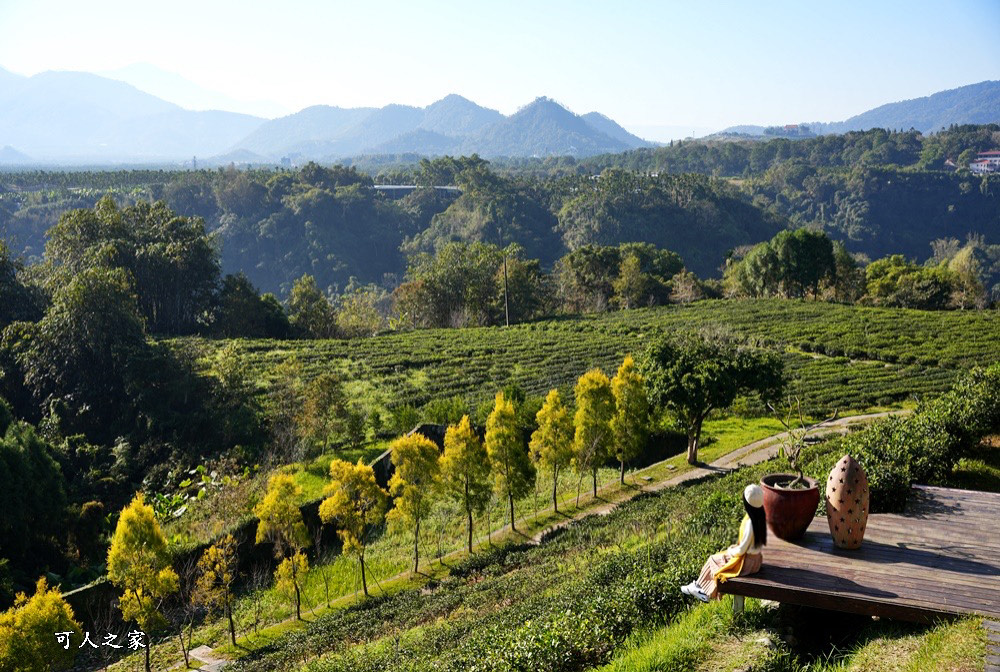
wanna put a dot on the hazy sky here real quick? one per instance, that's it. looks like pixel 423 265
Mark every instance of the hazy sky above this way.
pixel 698 63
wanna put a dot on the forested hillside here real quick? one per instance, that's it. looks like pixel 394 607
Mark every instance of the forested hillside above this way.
pixel 878 192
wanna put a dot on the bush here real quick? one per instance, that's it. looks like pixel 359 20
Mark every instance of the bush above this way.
pixel 925 447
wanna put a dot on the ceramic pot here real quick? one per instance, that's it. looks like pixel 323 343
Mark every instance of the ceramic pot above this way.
pixel 847 503
pixel 789 511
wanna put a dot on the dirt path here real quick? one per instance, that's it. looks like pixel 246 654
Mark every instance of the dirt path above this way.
pixel 752 453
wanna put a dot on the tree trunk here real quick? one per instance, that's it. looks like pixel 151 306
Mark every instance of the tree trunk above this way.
pixel 555 489
pixel 469 511
pixel 187 659
pixel 510 499
pixel 622 477
pixel 593 476
pixel 229 615
pixel 692 447
pixel 506 304
pixel 416 549
pixel 149 644
pixel 298 601
pixel 364 583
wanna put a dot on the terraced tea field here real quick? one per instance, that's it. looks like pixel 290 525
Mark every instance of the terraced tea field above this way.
pixel 838 357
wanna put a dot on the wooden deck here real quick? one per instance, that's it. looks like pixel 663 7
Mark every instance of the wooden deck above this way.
pixel 939 559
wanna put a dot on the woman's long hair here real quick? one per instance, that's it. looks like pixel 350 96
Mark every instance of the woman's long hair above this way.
pixel 759 522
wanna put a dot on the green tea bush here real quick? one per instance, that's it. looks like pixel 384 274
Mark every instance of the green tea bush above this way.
pixel 926 446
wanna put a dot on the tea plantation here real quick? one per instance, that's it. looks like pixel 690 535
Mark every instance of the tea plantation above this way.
pixel 837 357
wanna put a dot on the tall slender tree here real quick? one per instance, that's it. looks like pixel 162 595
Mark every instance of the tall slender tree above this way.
pixel 595 407
pixel 630 424
pixel 139 564
pixel 413 484
pixel 355 503
pixel 551 444
pixel 465 471
pixel 513 476
pixel 281 524
pixel 216 573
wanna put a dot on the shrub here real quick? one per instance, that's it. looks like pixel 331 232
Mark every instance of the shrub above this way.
pixel 925 447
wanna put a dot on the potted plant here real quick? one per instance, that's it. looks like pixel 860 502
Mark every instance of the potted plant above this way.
pixel 790 500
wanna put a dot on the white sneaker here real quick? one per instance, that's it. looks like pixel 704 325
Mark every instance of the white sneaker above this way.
pixel 694 591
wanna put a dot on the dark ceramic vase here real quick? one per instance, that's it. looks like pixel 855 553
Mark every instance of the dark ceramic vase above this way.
pixel 789 511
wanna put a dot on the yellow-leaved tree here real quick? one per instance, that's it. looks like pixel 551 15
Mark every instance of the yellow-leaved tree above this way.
pixel 465 471
pixel 139 565
pixel 413 484
pixel 35 632
pixel 216 573
pixel 513 476
pixel 595 406
pixel 281 524
pixel 630 424
pixel 355 503
pixel 551 444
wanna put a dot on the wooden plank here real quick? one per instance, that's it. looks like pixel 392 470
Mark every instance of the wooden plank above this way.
pixel 933 602
pixel 896 571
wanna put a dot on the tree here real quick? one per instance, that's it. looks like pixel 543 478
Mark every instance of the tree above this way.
pixel 29 632
pixel 465 470
pixel 849 280
pixel 17 302
pixel 288 579
pixel 81 354
pixel 309 311
pixel 284 408
pixel 32 494
pixel 595 408
pixel 216 572
pixel 281 524
pixel 631 420
pixel 139 565
pixel 551 444
pixel 355 503
pixel 513 476
pixel 324 410
pixel 242 312
pixel 630 286
pixel 171 260
pixel 792 264
pixel 359 312
pixel 415 460
pixel 806 258
pixel 692 376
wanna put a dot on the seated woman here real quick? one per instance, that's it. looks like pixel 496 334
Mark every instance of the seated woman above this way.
pixel 739 560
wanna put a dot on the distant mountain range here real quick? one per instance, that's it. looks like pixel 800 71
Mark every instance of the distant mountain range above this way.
pixel 972 104
pixel 76 117
pixel 80 117
pixel 452 125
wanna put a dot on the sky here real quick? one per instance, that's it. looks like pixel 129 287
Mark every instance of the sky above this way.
pixel 649 65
